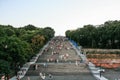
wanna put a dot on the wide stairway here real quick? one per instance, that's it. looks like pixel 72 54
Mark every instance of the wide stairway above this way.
pixel 59 61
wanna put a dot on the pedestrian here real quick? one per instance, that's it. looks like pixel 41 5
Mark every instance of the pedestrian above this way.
pixel 50 76
pixel 57 60
pixel 42 76
pixel 48 60
pixel 18 77
pixel 45 65
pixel 76 63
pixel 3 77
pixel 36 66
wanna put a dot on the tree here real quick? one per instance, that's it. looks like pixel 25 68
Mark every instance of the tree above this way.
pixel 38 42
pixel 30 27
pixel 48 33
pixel 105 35
pixel 18 45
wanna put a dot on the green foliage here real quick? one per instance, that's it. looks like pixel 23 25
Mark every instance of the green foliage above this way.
pixel 4 67
pixel 30 27
pixel 37 42
pixel 18 45
pixel 106 35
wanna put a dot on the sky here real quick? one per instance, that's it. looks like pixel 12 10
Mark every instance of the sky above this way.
pixel 61 15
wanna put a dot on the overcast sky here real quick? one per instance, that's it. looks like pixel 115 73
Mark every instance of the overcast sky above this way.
pixel 58 14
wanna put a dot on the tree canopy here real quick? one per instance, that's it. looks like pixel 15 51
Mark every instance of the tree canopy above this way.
pixel 18 45
pixel 106 35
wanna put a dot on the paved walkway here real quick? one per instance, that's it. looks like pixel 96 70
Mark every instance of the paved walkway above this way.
pixel 95 71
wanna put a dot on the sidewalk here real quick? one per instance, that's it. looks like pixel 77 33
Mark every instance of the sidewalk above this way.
pixel 95 71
